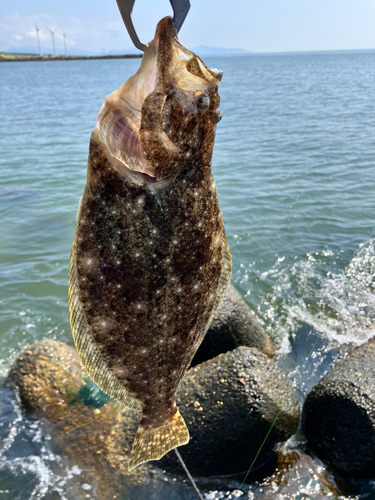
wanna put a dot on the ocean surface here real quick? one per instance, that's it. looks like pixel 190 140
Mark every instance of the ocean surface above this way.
pixel 294 164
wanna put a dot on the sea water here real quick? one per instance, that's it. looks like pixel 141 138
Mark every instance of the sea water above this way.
pixel 294 165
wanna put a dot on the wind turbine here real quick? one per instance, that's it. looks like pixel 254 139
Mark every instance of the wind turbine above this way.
pixel 66 51
pixel 53 39
pixel 37 37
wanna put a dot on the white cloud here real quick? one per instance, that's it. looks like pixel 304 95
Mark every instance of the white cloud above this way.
pixel 83 33
pixel 18 31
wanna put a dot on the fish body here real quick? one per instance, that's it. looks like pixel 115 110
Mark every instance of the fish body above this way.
pixel 150 260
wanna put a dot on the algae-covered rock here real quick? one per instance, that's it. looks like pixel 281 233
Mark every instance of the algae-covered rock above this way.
pixel 339 414
pixel 48 376
pixel 79 418
pixel 233 325
pixel 229 404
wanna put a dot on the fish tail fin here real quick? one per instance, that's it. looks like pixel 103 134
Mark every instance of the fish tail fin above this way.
pixel 153 443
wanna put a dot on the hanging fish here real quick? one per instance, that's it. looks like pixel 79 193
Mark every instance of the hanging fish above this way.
pixel 150 260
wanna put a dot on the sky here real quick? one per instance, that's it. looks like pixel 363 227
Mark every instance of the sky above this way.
pixel 254 25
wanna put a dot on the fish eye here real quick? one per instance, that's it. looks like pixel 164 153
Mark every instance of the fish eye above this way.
pixel 216 116
pixel 203 103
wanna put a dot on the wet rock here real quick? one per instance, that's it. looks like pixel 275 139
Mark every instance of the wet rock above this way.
pixel 339 414
pixel 297 476
pixel 46 375
pixel 79 418
pixel 233 325
pixel 229 404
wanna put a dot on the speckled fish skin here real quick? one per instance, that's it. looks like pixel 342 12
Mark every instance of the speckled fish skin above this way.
pixel 150 260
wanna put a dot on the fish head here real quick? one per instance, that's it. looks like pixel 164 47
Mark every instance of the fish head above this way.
pixel 161 123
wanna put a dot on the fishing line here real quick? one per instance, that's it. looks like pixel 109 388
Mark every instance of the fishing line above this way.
pixel 278 413
pixel 188 474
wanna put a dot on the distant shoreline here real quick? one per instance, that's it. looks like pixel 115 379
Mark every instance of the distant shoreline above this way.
pixel 66 58
pixel 24 57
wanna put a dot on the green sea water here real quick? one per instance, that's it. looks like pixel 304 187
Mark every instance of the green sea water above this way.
pixel 294 165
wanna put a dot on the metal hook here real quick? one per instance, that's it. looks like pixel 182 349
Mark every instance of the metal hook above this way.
pixel 180 10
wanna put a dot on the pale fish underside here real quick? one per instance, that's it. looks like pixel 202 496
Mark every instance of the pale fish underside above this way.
pixel 150 260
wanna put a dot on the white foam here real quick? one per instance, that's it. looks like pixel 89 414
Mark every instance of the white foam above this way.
pixel 339 305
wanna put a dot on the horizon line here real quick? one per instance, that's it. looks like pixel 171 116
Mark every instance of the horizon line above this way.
pixel 245 51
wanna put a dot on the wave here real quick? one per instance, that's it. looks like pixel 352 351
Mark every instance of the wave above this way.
pixel 340 304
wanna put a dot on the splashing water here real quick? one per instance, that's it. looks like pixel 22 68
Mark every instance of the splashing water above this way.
pixel 339 305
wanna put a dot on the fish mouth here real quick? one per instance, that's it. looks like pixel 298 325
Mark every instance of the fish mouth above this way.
pixel 134 122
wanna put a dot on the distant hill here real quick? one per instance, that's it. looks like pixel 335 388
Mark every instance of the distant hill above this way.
pixel 218 51
pixel 23 50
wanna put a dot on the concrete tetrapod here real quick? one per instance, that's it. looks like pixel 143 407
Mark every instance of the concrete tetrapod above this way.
pixel 229 404
pixel 54 388
pixel 339 414
pixel 233 325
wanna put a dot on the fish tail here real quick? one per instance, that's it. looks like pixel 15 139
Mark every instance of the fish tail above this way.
pixel 154 442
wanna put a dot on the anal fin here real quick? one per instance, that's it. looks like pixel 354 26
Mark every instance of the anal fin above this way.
pixel 88 352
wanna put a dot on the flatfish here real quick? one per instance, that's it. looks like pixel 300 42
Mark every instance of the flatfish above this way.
pixel 150 260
